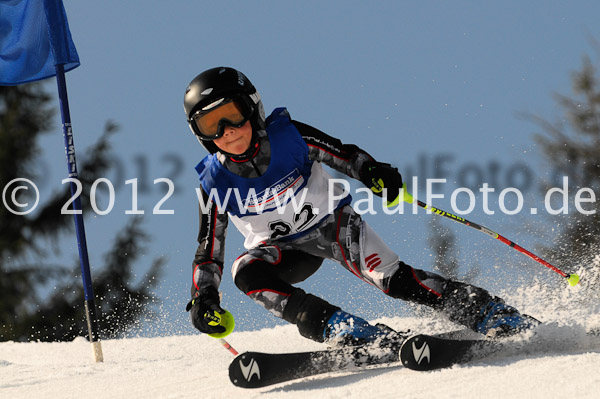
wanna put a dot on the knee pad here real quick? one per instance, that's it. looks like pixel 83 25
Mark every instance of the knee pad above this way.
pixel 261 276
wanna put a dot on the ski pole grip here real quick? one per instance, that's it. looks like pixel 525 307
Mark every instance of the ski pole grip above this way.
pixel 406 197
pixel 222 319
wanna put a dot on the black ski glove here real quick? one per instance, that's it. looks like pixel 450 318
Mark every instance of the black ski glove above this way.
pixel 378 175
pixel 202 308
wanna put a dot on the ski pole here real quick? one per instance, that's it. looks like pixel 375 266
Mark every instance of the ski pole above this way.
pixel 222 319
pixel 573 279
pixel 228 346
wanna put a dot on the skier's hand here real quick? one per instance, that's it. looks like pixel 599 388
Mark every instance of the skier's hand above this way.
pixel 202 308
pixel 378 175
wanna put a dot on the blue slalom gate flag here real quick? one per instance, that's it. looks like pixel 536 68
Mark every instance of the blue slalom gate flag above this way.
pixel 34 38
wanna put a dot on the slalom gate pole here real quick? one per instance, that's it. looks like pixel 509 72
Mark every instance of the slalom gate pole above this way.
pixel 90 305
pixel 573 279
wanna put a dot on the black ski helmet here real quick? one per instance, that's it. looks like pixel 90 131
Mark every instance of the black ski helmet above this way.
pixel 222 83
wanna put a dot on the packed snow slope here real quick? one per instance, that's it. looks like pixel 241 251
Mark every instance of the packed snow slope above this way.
pixel 560 361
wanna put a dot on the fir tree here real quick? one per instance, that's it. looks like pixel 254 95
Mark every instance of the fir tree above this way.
pixel 572 147
pixel 25 313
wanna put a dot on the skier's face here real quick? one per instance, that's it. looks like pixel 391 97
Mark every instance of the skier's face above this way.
pixel 235 140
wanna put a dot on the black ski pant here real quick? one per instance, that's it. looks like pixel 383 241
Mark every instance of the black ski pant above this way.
pixel 268 272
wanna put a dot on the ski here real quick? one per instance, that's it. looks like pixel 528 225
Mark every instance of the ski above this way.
pixel 259 369
pixel 425 352
pixel 419 352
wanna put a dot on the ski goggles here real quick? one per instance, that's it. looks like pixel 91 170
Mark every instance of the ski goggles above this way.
pixel 210 125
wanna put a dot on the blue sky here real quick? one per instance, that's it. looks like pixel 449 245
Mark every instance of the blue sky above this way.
pixel 410 82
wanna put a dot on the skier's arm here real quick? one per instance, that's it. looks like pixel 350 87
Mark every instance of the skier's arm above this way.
pixel 352 161
pixel 208 266
pixel 345 158
pixel 208 262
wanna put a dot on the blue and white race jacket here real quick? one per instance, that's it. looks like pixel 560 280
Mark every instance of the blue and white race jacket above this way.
pixel 291 197
pixel 281 193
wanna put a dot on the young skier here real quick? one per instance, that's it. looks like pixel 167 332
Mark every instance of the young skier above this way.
pixel 278 160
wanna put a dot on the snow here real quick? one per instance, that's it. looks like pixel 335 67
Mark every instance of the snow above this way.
pixel 558 361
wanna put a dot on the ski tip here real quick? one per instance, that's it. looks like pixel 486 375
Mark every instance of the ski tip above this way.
pixel 426 352
pixel 244 371
pixel 415 353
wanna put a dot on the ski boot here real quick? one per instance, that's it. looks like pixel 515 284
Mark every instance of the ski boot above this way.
pixel 498 320
pixel 344 329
